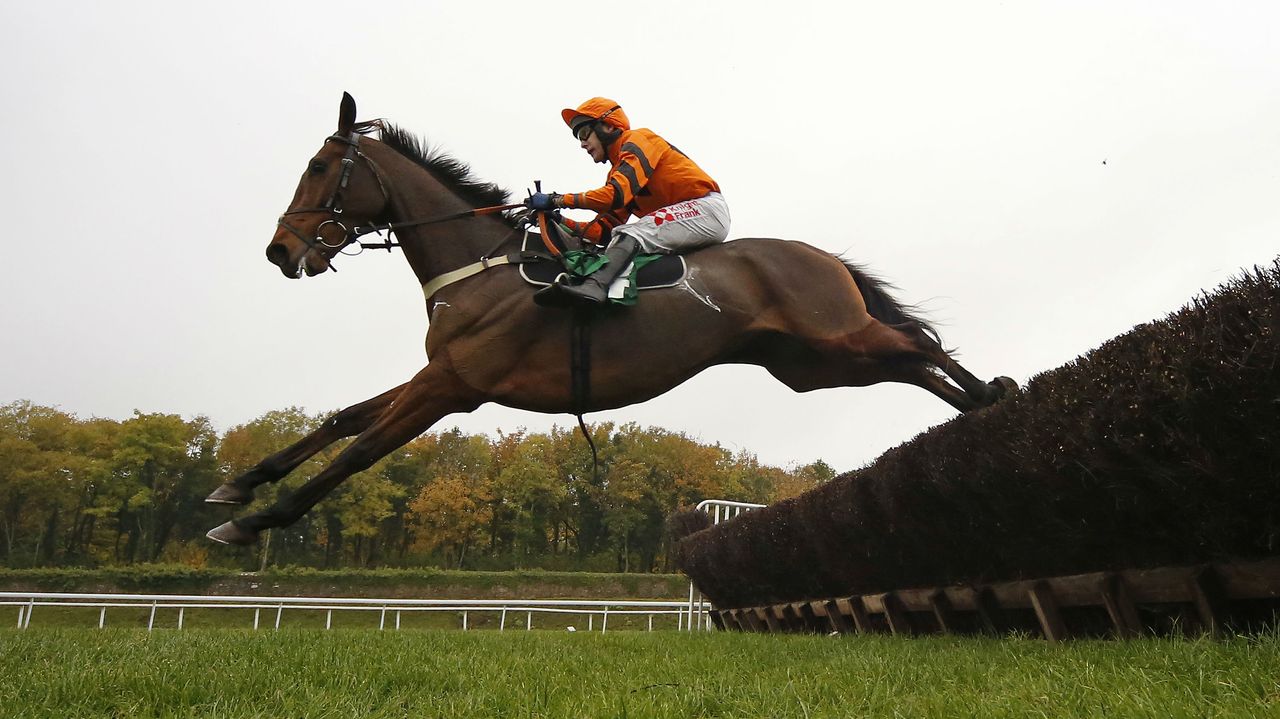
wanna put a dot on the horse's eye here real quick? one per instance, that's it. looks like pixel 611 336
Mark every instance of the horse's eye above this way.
pixel 317 167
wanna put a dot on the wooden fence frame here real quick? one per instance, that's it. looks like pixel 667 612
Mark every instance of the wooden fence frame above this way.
pixel 1208 598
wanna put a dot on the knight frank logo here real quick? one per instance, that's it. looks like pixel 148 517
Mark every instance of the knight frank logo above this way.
pixel 681 211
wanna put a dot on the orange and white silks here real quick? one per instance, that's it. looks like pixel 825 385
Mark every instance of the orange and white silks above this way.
pixel 648 174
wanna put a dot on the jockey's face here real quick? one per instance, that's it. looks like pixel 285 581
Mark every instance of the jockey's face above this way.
pixel 589 140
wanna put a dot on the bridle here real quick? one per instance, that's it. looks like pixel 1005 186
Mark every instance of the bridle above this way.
pixel 333 205
pixel 352 235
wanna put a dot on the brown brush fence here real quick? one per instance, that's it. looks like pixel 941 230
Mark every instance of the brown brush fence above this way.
pixel 1161 448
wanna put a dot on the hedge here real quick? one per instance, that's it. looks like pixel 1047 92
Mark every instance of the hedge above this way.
pixel 1160 447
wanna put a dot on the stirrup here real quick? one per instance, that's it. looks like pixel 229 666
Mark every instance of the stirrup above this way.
pixel 591 291
pixel 554 295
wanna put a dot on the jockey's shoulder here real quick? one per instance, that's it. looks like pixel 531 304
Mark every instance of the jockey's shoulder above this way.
pixel 639 133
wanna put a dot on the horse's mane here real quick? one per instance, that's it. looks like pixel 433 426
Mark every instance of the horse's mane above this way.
pixel 882 305
pixel 452 172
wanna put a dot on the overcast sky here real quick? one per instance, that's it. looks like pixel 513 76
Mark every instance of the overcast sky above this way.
pixel 1040 176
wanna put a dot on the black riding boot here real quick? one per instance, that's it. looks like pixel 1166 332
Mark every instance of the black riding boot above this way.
pixel 595 288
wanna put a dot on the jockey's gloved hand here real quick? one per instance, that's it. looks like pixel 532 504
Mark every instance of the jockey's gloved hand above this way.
pixel 542 201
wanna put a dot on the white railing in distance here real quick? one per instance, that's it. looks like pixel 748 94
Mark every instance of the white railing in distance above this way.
pixel 26 602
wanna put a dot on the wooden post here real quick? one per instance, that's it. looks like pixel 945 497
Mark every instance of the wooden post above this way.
pixel 817 610
pixel 1047 611
pixel 1118 600
pixel 839 622
pixel 943 612
pixel 808 620
pixel 896 613
pixel 718 620
pixel 766 615
pixel 786 617
pixel 989 612
pixel 752 619
pixel 857 612
pixel 1210 600
pixel 730 617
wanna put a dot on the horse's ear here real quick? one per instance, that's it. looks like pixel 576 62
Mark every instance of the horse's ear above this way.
pixel 347 114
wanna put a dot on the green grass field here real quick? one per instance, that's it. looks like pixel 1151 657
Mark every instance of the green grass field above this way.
pixel 126 672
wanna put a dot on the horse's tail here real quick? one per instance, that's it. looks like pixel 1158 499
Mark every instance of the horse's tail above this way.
pixel 884 306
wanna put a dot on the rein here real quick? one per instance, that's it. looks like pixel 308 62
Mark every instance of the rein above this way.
pixel 359 231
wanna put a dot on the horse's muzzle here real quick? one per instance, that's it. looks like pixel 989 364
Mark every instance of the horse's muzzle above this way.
pixel 309 262
pixel 278 254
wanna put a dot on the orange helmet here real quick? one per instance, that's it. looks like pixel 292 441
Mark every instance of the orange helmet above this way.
pixel 600 109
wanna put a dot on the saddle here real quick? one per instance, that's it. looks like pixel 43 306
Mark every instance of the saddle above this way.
pixel 655 271
pixel 542 261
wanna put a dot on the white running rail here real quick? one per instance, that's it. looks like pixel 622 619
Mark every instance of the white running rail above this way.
pixel 721 510
pixel 27 602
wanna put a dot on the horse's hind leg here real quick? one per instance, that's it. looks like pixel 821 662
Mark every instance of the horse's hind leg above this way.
pixel 347 423
pixel 875 353
pixel 983 393
pixel 923 375
pixel 813 373
pixel 434 393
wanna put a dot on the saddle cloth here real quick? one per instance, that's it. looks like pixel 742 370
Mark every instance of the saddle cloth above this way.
pixel 665 271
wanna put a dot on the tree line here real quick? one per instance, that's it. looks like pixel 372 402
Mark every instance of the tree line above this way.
pixel 95 492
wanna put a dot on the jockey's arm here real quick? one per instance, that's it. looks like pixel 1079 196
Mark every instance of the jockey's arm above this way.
pixel 595 230
pixel 628 178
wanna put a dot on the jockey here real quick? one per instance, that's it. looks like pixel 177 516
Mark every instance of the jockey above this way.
pixel 679 206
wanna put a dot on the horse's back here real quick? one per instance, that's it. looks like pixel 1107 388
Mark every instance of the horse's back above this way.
pixel 770 261
pixel 767 246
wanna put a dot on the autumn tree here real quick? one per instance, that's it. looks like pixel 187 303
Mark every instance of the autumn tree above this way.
pixel 162 465
pixel 105 491
pixel 453 507
pixel 243 446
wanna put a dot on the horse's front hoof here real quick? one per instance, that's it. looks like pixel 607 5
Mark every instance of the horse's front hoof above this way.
pixel 232 533
pixel 1002 387
pixel 229 493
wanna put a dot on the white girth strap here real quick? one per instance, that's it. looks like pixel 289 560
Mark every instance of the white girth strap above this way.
pixel 462 273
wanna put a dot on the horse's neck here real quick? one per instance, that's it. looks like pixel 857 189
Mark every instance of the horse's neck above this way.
pixel 434 249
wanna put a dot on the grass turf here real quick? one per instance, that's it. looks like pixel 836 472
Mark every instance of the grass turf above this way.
pixel 64 672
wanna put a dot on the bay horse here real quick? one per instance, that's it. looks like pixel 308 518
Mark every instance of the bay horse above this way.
pixel 807 317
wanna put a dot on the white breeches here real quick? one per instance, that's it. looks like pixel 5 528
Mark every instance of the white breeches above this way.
pixel 681 227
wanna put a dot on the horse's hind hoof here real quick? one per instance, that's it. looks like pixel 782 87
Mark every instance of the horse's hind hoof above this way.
pixel 232 533
pixel 229 493
pixel 1003 387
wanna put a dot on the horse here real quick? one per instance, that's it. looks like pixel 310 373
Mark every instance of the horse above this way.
pixel 809 318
